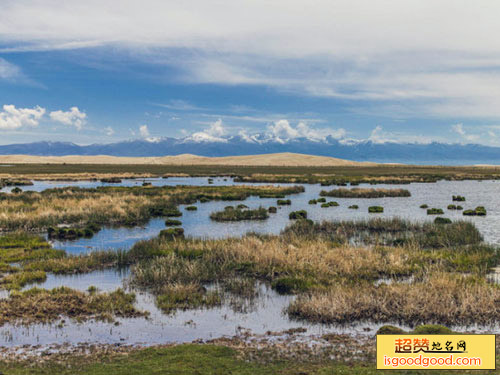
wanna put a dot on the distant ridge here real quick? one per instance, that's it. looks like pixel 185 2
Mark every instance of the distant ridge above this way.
pixel 348 149
pixel 277 159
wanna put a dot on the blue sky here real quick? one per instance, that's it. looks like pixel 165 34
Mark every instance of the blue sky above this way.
pixel 93 72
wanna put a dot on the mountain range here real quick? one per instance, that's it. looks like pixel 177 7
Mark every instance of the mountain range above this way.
pixel 366 150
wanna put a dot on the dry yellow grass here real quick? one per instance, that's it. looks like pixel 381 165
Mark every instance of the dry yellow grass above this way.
pixel 443 298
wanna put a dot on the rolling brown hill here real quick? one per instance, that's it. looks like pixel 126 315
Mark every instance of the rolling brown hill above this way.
pixel 281 159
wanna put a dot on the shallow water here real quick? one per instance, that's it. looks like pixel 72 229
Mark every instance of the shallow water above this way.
pixel 157 181
pixel 267 313
pixel 198 223
pixel 105 280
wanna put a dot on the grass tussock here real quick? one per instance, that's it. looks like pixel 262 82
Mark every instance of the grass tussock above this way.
pixel 240 214
pixel 443 298
pixel 186 296
pixel 40 305
pixel 365 193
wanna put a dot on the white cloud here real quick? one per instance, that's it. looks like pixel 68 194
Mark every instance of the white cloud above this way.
pixel 12 118
pixel 144 131
pixel 214 133
pixel 458 128
pixel 9 71
pixel 179 105
pixel 282 131
pixel 73 117
pixel 109 131
pixel 379 135
pixel 434 56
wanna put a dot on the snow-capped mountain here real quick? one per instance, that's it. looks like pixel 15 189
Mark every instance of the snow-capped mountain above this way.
pixel 417 153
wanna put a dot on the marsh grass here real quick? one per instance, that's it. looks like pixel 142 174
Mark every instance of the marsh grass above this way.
pixel 435 211
pixel 71 264
pixel 478 211
pixel 424 235
pixel 442 220
pixel 172 233
pixel 186 296
pixel 443 298
pixel 283 202
pixel 329 204
pixel 365 193
pixel 40 305
pixel 240 214
pixel 33 211
pixel 297 215
pixel 172 223
pixel 17 280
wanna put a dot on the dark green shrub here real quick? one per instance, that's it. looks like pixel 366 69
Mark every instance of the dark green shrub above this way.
pixel 289 285
pixel 375 209
pixel 296 215
pixel 272 210
pixel 432 329
pixel 390 330
pixel 172 233
pixel 313 201
pixel 329 204
pixel 321 200
pixel 458 198
pixel 435 211
pixel 111 180
pixel 442 220
pixel 239 215
pixel 424 206
pixel 241 206
pixel 354 207
pixel 172 223
pixel 284 202
pixel 452 207
pixel 191 208
pixel 16 190
pixel 478 211
pixel 365 193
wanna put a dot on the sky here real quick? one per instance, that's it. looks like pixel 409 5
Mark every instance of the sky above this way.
pixel 101 71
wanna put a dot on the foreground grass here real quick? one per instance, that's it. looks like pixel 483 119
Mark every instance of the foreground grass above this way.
pixel 334 280
pixel 192 359
pixel 40 305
